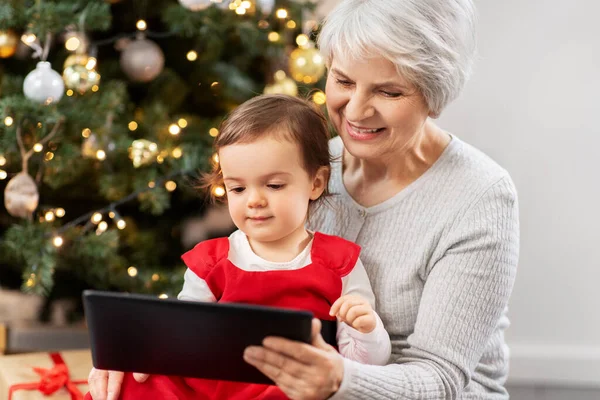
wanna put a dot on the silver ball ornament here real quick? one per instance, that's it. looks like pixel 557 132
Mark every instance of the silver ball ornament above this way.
pixel 142 60
pixel 196 5
pixel 43 84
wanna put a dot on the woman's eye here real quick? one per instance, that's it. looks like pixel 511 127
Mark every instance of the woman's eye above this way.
pixel 276 186
pixel 391 94
pixel 237 189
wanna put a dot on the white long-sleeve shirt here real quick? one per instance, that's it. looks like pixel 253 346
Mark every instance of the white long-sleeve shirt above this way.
pixel 368 348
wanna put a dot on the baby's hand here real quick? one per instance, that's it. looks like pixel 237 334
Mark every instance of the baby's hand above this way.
pixel 356 312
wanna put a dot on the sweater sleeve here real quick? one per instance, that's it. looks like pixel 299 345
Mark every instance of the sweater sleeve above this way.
pixel 467 287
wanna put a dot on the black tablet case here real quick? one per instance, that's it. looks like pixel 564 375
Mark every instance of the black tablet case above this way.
pixel 142 333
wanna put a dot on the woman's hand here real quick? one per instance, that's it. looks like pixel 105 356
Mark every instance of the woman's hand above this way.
pixel 302 371
pixel 106 385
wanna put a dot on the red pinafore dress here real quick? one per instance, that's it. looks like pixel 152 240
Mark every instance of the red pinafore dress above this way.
pixel 314 287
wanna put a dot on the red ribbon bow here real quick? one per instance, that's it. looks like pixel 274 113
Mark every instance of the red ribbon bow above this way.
pixel 51 380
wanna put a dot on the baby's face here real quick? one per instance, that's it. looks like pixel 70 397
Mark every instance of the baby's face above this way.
pixel 268 190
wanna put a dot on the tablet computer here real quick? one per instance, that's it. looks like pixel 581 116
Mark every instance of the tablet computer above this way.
pixel 142 333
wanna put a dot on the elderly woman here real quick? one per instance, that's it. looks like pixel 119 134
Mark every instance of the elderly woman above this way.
pixel 437 220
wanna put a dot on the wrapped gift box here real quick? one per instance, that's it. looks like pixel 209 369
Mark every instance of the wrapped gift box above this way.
pixel 19 370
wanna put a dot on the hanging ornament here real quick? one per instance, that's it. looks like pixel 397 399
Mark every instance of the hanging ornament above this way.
pixel 306 64
pixel 90 147
pixel 142 152
pixel 196 5
pixel 282 85
pixel 79 78
pixel 21 196
pixel 43 84
pixel 142 60
pixel 8 43
pixel 266 6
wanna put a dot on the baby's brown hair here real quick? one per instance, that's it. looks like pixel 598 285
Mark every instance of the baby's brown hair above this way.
pixel 283 117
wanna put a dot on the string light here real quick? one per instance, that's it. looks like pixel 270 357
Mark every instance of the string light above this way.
pixel 57 241
pixel 132 126
pixel 72 43
pixel 240 11
pixel 112 214
pixel 141 25
pixel 100 155
pixel 151 184
pixel 182 122
pixel 155 277
pixel 49 216
pixel 291 24
pixel 28 38
pixel 70 92
pixel 282 13
pixel 177 152
pixel 95 88
pixel 171 186
pixel 8 121
pixel 215 158
pixel 192 55
pixel 214 132
pixel 219 191
pixel 91 63
pixel 96 218
pixel 102 227
pixel 174 129
pixel 49 156
pixel 121 224
pixel 3 174
pixel 86 133
pixel 302 40
pixel 2 161
pixel 132 271
pixel 60 212
pixel 163 296
pixel 273 36
pixel 319 98
pixel 38 147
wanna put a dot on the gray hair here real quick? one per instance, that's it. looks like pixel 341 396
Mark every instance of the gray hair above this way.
pixel 431 42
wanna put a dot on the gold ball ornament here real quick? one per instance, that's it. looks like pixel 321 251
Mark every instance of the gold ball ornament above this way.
pixel 80 79
pixel 306 65
pixel 142 60
pixel 142 152
pixel 282 85
pixel 76 59
pixel 21 196
pixel 8 43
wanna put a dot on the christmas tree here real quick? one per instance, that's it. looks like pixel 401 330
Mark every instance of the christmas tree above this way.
pixel 108 111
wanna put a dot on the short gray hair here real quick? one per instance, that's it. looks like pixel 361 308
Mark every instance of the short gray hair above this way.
pixel 431 42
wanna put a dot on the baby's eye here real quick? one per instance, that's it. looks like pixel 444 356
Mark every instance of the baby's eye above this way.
pixel 237 189
pixel 276 186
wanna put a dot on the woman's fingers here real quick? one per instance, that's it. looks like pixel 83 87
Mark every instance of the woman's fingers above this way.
pixel 97 381
pixel 140 377
pixel 115 380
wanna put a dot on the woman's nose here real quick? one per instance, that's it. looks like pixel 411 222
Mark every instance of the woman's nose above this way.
pixel 256 199
pixel 359 107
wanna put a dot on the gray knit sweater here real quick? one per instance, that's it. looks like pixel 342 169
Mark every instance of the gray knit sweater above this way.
pixel 441 256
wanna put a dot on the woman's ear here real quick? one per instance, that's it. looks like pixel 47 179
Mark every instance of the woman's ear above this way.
pixel 319 184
